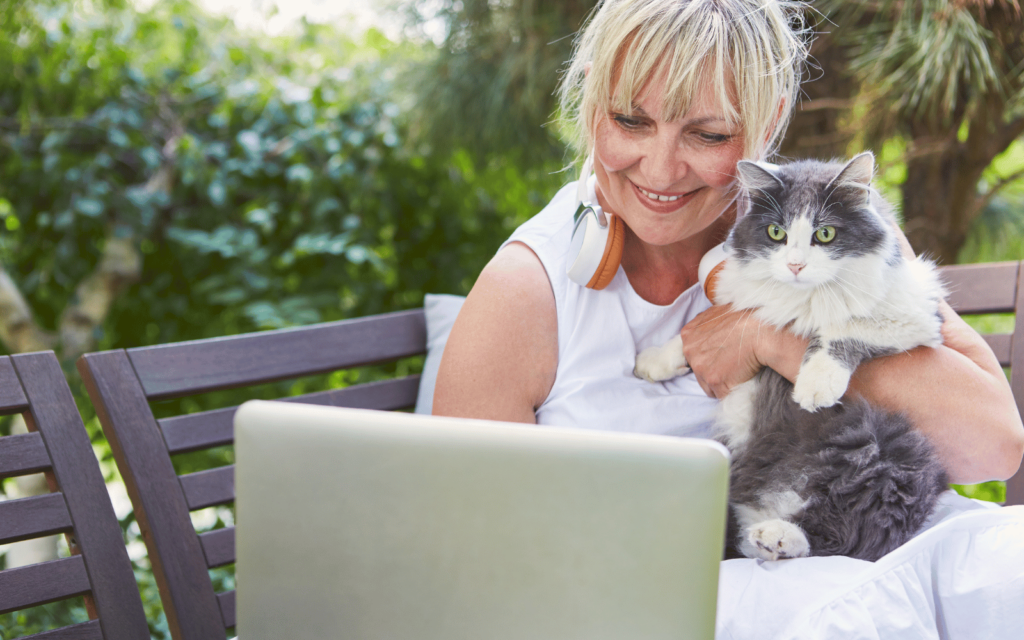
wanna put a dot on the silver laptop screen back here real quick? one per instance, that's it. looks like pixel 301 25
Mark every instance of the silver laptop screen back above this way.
pixel 372 525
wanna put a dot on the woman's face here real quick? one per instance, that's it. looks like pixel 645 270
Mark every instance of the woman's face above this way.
pixel 668 181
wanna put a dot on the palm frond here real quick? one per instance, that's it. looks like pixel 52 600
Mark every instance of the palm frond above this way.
pixel 924 60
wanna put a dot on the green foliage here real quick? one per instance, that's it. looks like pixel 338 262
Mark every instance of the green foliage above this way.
pixel 988 491
pixel 491 81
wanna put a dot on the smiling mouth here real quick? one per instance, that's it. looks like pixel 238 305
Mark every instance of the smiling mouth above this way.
pixel 654 197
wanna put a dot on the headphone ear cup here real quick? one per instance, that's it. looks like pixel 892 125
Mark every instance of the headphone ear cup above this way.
pixel 612 254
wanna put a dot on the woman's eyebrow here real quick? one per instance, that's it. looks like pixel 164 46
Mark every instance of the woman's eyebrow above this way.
pixel 639 111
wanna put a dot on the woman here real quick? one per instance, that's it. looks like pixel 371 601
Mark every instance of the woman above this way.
pixel 667 96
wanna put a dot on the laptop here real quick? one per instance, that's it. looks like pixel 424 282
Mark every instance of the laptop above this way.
pixel 371 525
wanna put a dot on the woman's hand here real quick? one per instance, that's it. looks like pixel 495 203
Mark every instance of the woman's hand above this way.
pixel 725 348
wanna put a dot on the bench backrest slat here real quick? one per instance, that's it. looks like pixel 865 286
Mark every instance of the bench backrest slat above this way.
pixel 33 517
pixel 209 488
pixel 196 431
pixel 218 546
pixel 188 368
pixel 982 288
pixel 43 583
pixel 226 601
pixel 22 454
pixel 90 630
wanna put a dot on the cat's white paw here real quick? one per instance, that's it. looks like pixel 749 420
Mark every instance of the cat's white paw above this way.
pixel 776 540
pixel 664 362
pixel 821 382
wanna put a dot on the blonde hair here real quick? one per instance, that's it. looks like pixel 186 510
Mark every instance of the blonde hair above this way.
pixel 750 52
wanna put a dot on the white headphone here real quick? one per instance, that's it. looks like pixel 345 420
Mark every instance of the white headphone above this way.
pixel 597 238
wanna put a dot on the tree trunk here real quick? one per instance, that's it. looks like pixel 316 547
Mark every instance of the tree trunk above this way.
pixel 816 130
pixel 940 197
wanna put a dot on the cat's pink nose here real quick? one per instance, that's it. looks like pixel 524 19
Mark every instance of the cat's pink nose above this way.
pixel 796 267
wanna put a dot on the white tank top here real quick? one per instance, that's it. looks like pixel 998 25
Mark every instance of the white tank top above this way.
pixel 599 335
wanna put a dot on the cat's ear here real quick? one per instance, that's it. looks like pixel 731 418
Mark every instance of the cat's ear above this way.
pixel 859 170
pixel 757 175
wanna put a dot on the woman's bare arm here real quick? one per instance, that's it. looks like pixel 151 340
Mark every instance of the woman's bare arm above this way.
pixel 958 395
pixel 500 359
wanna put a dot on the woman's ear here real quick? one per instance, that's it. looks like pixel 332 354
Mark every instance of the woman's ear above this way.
pixel 586 69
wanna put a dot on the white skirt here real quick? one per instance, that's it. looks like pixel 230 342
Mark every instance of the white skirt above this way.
pixel 961 577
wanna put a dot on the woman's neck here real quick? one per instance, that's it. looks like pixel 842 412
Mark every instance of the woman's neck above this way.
pixel 659 274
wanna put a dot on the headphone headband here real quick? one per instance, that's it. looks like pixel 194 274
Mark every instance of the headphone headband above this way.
pixel 597 239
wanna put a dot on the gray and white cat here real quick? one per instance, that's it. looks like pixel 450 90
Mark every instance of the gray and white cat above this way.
pixel 816 252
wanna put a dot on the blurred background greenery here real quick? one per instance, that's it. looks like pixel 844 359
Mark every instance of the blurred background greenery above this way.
pixel 167 175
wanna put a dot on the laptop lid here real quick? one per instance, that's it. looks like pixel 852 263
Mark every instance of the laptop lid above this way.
pixel 365 525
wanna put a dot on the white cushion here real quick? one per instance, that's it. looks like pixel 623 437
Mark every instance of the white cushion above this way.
pixel 441 311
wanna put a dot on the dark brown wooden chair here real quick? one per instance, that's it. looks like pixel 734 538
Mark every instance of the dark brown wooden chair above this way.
pixel 57 444
pixel 995 288
pixel 122 384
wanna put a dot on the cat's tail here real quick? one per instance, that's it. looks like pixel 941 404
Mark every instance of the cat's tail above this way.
pixel 875 483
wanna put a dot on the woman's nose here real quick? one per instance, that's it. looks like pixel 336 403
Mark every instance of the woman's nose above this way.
pixel 665 164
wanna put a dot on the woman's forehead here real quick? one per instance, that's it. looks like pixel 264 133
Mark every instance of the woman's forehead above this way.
pixel 703 103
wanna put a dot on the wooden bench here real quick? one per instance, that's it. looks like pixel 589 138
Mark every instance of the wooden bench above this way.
pixel 57 445
pixel 122 384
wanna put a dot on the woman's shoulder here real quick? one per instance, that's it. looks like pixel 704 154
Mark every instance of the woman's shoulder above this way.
pixel 547 235
pixel 501 357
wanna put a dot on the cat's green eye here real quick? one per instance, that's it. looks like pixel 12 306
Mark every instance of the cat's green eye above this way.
pixel 825 234
pixel 776 233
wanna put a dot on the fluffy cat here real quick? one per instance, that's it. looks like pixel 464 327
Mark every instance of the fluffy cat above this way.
pixel 816 251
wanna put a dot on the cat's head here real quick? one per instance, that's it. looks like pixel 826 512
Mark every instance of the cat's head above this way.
pixel 807 222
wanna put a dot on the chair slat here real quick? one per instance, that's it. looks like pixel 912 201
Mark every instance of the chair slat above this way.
pixel 174 550
pixel 90 630
pixel 22 454
pixel 38 584
pixel 197 431
pixel 227 608
pixel 208 488
pixel 1000 345
pixel 12 398
pixel 216 428
pixel 54 414
pixel 218 546
pixel 169 371
pixel 33 517
pixel 982 288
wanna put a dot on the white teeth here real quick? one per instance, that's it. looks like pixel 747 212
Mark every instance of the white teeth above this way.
pixel 653 196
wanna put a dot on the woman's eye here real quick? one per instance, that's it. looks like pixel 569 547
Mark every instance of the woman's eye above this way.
pixel 627 122
pixel 825 235
pixel 714 138
pixel 776 233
